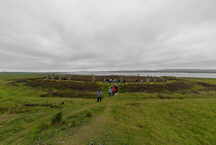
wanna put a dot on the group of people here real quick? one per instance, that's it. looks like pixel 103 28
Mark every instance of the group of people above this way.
pixel 114 81
pixel 111 91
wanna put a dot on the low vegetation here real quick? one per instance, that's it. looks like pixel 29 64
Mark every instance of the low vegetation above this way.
pixel 38 111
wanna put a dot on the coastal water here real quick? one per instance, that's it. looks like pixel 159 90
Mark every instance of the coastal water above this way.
pixel 157 74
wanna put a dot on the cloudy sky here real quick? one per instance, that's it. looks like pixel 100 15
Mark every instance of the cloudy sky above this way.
pixel 70 35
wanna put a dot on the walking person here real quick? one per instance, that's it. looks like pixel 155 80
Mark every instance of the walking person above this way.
pixel 110 91
pixel 99 94
pixel 113 90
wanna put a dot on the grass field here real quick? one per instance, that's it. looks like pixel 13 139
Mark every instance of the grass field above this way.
pixel 179 112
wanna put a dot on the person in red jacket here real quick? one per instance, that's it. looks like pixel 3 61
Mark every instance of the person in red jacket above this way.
pixel 114 89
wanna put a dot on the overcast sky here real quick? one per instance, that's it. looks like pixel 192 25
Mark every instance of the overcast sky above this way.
pixel 70 35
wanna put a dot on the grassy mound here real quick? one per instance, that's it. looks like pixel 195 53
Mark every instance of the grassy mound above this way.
pixel 157 87
pixel 60 84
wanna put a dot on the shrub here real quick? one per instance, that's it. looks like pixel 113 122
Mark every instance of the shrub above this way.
pixel 89 114
pixel 57 118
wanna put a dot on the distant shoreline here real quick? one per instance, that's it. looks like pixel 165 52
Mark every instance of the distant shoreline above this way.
pixel 125 71
pixel 178 74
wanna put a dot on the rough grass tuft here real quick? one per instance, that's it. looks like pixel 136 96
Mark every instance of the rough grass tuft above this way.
pixel 57 118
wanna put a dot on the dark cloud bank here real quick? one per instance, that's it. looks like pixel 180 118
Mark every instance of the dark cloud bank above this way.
pixel 70 35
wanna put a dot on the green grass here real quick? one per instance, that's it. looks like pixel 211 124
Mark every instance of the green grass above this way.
pixel 183 117
pixel 20 75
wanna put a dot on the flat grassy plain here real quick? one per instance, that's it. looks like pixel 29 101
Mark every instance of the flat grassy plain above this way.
pixel 163 113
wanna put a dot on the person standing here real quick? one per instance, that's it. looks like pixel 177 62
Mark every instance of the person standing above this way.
pixel 113 90
pixel 110 91
pixel 99 94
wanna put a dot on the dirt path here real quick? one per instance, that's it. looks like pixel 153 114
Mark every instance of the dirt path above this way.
pixel 94 128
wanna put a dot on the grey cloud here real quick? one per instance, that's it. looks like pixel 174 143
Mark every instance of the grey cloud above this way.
pixel 62 35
